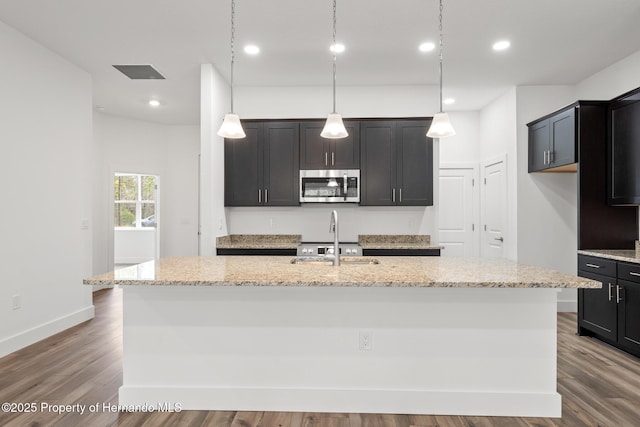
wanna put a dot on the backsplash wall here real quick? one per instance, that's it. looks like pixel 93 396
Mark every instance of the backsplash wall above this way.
pixel 312 221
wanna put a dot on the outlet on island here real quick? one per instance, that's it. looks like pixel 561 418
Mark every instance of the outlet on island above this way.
pixel 364 340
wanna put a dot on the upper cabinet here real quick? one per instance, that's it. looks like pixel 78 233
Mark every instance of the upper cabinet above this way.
pixel 552 142
pixel 396 159
pixel 262 169
pixel 322 153
pixel 624 150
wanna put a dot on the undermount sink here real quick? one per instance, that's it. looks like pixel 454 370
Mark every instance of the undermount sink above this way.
pixel 357 260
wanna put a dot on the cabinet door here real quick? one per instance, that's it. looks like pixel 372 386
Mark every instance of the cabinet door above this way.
pixel 378 163
pixel 563 138
pixel 281 164
pixel 314 149
pixel 539 141
pixel 344 153
pixel 414 163
pixel 243 167
pixel 597 308
pixel 624 152
pixel 629 315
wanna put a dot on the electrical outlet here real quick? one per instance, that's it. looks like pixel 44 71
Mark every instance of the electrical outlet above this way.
pixel 365 340
pixel 16 302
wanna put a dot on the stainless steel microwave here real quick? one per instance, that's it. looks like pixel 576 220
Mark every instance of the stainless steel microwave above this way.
pixel 330 186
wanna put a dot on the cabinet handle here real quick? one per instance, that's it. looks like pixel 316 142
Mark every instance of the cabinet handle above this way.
pixel 401 195
pixel 618 299
pixel 593 265
pixel 634 273
pixel 259 196
pixel 266 195
pixel 326 161
pixel 393 195
pixel 544 157
pixel 333 158
pixel 610 293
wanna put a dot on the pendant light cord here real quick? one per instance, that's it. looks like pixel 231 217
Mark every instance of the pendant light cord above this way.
pixel 233 53
pixel 440 27
pixel 334 56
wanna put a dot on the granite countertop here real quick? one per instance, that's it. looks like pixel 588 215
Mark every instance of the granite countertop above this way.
pixel 391 272
pixel 259 241
pixel 396 241
pixel 628 255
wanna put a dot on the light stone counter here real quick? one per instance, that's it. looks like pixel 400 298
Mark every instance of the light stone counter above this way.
pixel 258 241
pixel 628 255
pixel 396 241
pixel 268 271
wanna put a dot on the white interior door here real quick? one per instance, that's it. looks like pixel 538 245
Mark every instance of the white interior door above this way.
pixel 457 212
pixel 494 208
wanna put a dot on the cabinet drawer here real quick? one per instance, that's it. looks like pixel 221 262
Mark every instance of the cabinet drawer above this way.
pixel 629 272
pixel 604 267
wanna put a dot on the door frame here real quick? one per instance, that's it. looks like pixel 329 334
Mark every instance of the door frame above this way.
pixel 475 202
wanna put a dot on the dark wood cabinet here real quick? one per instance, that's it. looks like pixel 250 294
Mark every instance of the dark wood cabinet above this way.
pixel 317 152
pixel 611 313
pixel 262 169
pixel 597 308
pixel 552 142
pixel 396 163
pixel 624 150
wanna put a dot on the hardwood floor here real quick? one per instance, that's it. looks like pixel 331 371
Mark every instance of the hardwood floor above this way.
pixel 599 384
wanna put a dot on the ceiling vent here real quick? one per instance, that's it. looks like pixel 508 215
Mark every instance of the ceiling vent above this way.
pixel 139 72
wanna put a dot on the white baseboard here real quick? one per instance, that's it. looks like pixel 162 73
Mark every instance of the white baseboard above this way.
pixel 45 330
pixel 382 401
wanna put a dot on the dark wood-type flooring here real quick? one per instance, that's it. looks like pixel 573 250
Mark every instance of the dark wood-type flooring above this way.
pixel 599 384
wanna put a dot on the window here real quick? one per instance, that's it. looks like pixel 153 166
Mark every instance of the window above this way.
pixel 134 200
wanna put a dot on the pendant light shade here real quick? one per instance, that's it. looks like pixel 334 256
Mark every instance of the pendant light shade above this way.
pixel 441 125
pixel 231 127
pixel 334 127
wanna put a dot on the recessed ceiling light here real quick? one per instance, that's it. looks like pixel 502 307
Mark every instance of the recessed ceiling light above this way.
pixel 448 101
pixel 427 47
pixel 337 48
pixel 251 49
pixel 501 45
pixel 154 103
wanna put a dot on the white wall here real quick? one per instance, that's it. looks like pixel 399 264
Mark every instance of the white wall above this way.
pixel 170 152
pixel 498 137
pixel 547 203
pixel 45 134
pixel 134 246
pixel 214 103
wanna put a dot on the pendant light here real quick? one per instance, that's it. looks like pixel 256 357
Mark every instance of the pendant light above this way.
pixel 441 126
pixel 231 127
pixel 334 128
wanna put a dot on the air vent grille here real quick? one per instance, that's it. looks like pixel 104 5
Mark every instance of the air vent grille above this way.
pixel 139 72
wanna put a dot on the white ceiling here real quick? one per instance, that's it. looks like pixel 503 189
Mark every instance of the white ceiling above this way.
pixel 553 42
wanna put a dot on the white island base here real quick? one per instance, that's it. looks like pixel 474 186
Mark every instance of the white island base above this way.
pixel 455 351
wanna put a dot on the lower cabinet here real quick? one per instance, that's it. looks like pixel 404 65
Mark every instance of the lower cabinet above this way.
pixel 611 313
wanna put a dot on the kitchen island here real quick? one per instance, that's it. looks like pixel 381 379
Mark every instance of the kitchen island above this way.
pixel 421 335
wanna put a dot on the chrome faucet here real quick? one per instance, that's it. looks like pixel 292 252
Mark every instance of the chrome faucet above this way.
pixel 333 227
